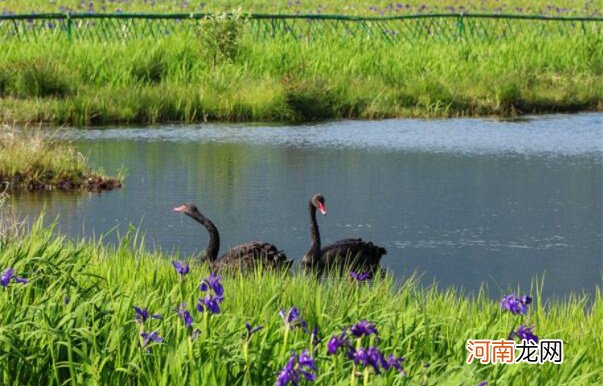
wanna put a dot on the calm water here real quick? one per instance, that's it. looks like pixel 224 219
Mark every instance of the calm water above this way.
pixel 460 201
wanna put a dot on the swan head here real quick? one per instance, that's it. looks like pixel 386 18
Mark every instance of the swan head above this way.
pixel 319 203
pixel 188 209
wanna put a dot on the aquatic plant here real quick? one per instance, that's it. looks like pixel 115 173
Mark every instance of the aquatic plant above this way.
pixel 252 330
pixel 9 274
pixel 212 282
pixel 516 305
pixel 297 368
pixel 211 302
pixel 182 268
pixel 524 332
pixel 185 315
pixel 293 319
pixel 142 314
pixel 360 277
pixel 336 342
pixel 363 328
pixel 149 338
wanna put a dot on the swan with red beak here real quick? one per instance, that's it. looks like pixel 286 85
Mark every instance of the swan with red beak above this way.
pixel 342 255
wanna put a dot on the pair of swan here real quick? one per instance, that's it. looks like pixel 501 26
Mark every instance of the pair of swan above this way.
pixel 351 254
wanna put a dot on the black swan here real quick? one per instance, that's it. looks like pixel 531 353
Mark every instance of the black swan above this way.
pixel 353 254
pixel 244 257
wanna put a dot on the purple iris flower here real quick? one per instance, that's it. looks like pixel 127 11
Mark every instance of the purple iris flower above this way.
pixel 359 356
pixel 376 360
pixel 360 277
pixel 212 282
pixel 9 274
pixel 181 268
pixel 336 342
pixel 185 315
pixel 210 303
pixel 252 330
pixel 483 383
pixel 363 328
pixel 296 368
pixel 142 314
pixel 288 373
pixel 150 338
pixel 516 305
pixel 293 319
pixel 524 332
pixel 396 363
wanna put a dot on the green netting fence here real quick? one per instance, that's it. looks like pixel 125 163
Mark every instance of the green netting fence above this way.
pixel 409 28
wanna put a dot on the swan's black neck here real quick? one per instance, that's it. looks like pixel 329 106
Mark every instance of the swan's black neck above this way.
pixel 213 247
pixel 314 252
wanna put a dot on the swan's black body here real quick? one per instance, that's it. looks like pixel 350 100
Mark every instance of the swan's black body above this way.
pixel 244 257
pixel 347 254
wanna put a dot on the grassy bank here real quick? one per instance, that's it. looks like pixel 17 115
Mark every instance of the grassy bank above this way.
pixel 179 78
pixel 34 161
pixel 74 321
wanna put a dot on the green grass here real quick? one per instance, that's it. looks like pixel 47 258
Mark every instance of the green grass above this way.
pixel 36 161
pixel 94 340
pixel 177 79
pixel 361 7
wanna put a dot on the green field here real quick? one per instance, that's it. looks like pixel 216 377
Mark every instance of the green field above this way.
pixel 362 7
pixel 74 322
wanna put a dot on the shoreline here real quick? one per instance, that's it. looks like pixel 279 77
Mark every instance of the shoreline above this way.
pixel 278 122
pixel 288 118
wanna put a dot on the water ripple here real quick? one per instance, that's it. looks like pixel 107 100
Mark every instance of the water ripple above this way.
pixel 569 135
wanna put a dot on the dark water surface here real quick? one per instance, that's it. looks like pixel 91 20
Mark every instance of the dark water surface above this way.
pixel 461 201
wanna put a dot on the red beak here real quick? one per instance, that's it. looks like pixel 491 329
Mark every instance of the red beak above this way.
pixel 180 208
pixel 322 208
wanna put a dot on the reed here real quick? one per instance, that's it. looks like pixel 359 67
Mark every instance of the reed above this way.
pixel 34 160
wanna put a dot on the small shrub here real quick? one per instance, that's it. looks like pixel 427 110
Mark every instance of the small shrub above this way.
pixel 220 35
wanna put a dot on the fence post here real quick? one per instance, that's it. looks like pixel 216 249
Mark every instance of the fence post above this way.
pixel 69 26
pixel 461 25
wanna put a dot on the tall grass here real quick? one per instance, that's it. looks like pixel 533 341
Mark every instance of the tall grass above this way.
pixel 74 323
pixel 177 79
pixel 35 160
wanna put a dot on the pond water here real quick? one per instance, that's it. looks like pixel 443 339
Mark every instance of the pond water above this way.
pixel 460 201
